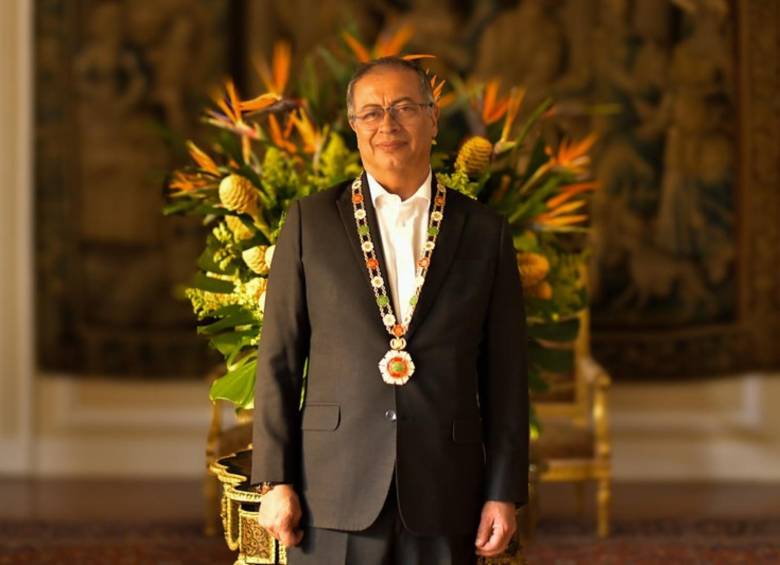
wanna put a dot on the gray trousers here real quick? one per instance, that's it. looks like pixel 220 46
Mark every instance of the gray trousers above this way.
pixel 385 542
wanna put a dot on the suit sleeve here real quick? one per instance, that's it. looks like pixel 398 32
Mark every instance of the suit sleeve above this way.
pixel 503 381
pixel 282 352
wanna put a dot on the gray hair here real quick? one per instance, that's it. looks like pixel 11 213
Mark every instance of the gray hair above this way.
pixel 392 63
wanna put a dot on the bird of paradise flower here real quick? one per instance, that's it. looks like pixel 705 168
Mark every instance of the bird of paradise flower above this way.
pixel 231 116
pixel 387 44
pixel 390 44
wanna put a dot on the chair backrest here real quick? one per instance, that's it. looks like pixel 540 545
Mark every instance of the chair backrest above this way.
pixel 571 394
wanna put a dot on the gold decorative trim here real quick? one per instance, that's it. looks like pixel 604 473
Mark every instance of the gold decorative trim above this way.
pixel 257 545
pixel 225 476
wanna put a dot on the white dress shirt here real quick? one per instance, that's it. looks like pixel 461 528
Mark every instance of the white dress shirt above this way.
pixel 403 225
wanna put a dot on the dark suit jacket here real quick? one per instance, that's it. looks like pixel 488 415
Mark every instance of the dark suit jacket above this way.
pixel 456 434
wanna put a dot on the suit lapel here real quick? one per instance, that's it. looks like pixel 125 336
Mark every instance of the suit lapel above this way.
pixel 443 254
pixel 446 245
pixel 347 214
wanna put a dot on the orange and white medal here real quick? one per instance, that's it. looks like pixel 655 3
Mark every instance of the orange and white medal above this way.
pixel 396 366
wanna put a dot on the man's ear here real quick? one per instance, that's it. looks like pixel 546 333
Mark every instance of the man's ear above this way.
pixel 352 125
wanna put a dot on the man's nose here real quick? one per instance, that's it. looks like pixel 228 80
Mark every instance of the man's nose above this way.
pixel 389 121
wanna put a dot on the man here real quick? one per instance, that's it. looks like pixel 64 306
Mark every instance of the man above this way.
pixel 411 446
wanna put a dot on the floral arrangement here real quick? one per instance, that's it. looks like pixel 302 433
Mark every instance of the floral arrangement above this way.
pixel 280 146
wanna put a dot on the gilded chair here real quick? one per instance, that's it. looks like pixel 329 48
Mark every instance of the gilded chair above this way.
pixel 574 444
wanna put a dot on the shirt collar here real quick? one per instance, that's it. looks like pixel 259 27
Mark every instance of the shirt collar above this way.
pixel 377 190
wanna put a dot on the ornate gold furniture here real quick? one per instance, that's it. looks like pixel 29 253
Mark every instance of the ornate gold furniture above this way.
pixel 239 513
pixel 238 510
pixel 574 445
pixel 221 441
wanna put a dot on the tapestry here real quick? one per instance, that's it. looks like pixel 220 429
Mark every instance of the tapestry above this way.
pixel 119 85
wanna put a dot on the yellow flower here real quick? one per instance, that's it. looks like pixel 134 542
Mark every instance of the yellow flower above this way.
pixel 269 255
pixel 254 257
pixel 474 156
pixel 238 194
pixel 238 227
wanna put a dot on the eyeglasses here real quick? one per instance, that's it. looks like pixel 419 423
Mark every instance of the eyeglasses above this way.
pixel 403 113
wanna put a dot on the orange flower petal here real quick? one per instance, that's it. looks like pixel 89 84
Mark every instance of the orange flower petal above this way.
pixel 260 102
pixel 202 159
pixel 493 108
pixel 415 56
pixel 393 44
pixel 516 96
pixel 570 191
pixel 561 220
pixel 235 102
pixel 281 65
pixel 361 53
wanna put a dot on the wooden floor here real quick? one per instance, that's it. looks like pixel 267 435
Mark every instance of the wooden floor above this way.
pixel 136 501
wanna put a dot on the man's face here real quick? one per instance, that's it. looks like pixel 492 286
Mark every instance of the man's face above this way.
pixel 396 144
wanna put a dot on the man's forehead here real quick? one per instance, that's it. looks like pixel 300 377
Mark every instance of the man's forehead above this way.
pixel 386 84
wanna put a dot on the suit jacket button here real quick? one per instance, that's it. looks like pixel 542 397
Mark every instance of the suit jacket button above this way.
pixel 391 415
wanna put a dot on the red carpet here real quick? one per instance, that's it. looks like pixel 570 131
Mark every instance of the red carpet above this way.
pixel 110 544
pixel 558 542
pixel 700 542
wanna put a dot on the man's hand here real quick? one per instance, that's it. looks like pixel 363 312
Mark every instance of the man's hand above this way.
pixel 497 525
pixel 280 513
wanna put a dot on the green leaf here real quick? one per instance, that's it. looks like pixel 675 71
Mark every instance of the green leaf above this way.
pixel 537 307
pixel 228 310
pixel 230 321
pixel 535 424
pixel 236 386
pixel 240 357
pixel 257 239
pixel 534 205
pixel 555 331
pixel 538 156
pixel 210 284
pixel 526 241
pixel 532 119
pixel 179 206
pixel 230 145
pixel 536 382
pixel 309 85
pixel 206 263
pixel 337 68
pixel 228 342
pixel 553 360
